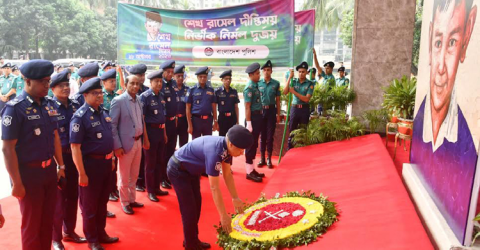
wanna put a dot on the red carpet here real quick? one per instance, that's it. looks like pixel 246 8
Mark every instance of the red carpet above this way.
pixel 157 225
pixel 375 209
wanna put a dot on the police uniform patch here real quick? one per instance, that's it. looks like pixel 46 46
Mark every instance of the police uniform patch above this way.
pixel 7 121
pixel 218 166
pixel 75 127
pixel 249 94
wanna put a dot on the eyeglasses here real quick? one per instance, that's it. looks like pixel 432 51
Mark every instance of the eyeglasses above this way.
pixel 96 93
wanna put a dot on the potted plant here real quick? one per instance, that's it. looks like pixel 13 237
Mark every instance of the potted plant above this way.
pixel 399 98
pixel 375 118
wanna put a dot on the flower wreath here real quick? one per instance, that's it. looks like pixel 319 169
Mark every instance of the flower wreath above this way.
pixel 293 220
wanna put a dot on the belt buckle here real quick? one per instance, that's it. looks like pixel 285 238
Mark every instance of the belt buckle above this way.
pixel 172 118
pixel 179 115
pixel 228 114
pixel 46 163
pixel 204 117
pixel 266 107
pixel 109 156
pixel 299 106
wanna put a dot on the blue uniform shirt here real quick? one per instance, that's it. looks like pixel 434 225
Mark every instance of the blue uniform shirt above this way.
pixel 226 100
pixel 181 99
pixel 92 129
pixel 204 155
pixel 153 107
pixel 79 98
pixel 142 89
pixel 65 114
pixel 170 97
pixel 201 99
pixel 33 125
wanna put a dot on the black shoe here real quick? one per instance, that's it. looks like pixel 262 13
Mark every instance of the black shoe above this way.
pixel 128 210
pixel 261 175
pixel 112 197
pixel 161 192
pixel 203 245
pixel 110 214
pixel 262 162
pixel 140 188
pixel 204 174
pixel 136 204
pixel 74 237
pixel 108 240
pixel 166 185
pixel 269 163
pixel 58 245
pixel 95 246
pixel 254 177
pixel 153 197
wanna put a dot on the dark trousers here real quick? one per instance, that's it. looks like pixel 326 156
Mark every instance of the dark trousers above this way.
pixel 141 172
pixel 226 122
pixel 38 206
pixel 94 198
pixel 171 127
pixel 257 128
pixel 154 157
pixel 187 188
pixel 201 126
pixel 298 116
pixel 67 201
pixel 182 130
pixel 269 123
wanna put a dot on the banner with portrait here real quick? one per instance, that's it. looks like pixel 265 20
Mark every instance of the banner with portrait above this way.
pixel 231 36
pixel 446 128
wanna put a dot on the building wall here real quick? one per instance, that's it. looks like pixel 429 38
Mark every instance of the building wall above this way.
pixel 382 48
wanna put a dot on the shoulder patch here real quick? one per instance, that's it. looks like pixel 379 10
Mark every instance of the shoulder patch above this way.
pixel 218 166
pixel 14 101
pixel 74 101
pixel 80 112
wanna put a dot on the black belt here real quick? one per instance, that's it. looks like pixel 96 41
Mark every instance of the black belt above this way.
pixel 269 106
pixel 179 164
pixel 156 125
pixel 137 137
pixel 100 156
pixel 66 150
pixel 257 112
pixel 203 117
pixel 38 164
pixel 301 106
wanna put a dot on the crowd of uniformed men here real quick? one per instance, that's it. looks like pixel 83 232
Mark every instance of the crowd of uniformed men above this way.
pixel 65 144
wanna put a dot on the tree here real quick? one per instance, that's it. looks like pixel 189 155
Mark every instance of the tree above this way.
pixel 417 33
pixel 328 13
pixel 346 27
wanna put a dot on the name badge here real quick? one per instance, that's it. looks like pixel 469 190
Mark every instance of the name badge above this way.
pixel 94 124
pixel 62 117
pixel 99 135
pixel 33 117
pixel 37 131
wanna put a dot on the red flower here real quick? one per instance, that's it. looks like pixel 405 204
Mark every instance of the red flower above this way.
pixel 275 216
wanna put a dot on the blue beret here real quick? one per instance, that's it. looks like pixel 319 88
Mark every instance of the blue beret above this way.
pixel 7 65
pixel 37 69
pixel 252 68
pixel 341 69
pixel 202 71
pixel 180 69
pixel 156 74
pixel 240 137
pixel 169 64
pixel 90 69
pixel 138 69
pixel 111 73
pixel 303 65
pixel 107 64
pixel 226 73
pixel 331 64
pixel 268 64
pixel 90 84
pixel 63 76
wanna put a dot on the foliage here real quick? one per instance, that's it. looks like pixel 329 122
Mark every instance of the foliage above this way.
pixel 328 13
pixel 330 95
pixel 375 118
pixel 399 97
pixel 416 36
pixel 303 238
pixel 476 230
pixel 335 127
pixel 346 27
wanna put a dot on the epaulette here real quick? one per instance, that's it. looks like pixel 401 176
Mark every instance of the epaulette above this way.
pixel 15 101
pixel 80 112
pixel 74 101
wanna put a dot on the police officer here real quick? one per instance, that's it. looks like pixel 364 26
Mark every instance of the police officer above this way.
pixel 92 144
pixel 154 112
pixel 253 117
pixel 30 140
pixel 67 194
pixel 171 108
pixel 210 154
pixel 19 83
pixel 7 84
pixel 181 89
pixel 270 93
pixel 302 90
pixel 227 102
pixel 87 72
pixel 342 80
pixel 327 75
pixel 312 72
pixel 109 80
pixel 201 104
pixel 106 67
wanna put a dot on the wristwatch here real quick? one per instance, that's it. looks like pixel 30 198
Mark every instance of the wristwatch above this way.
pixel 62 167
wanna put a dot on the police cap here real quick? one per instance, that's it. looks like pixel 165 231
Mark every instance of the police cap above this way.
pixel 240 137
pixel 63 76
pixel 202 71
pixel 341 69
pixel 226 73
pixel 155 74
pixel 36 69
pixel 7 65
pixel 303 65
pixel 169 64
pixel 268 64
pixel 329 64
pixel 90 69
pixel 90 84
pixel 111 73
pixel 252 68
pixel 107 64
pixel 180 69
pixel 138 69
